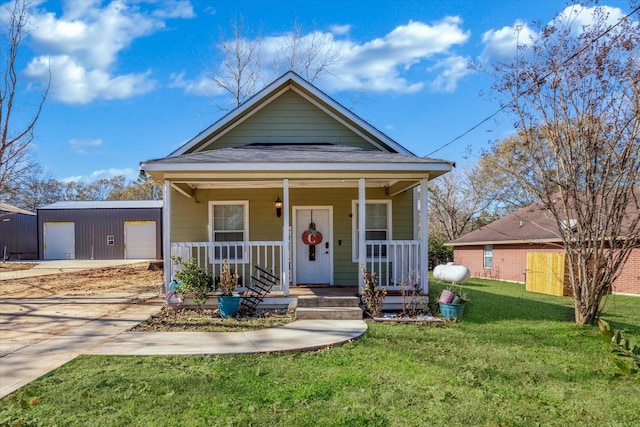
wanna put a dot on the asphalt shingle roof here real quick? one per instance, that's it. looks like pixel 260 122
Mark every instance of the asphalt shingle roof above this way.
pixel 294 153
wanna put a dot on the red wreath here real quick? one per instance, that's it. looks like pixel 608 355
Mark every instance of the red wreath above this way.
pixel 311 238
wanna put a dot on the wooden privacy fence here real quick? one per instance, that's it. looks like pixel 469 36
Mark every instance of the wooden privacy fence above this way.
pixel 546 273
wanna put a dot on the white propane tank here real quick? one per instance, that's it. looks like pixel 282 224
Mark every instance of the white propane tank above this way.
pixel 452 273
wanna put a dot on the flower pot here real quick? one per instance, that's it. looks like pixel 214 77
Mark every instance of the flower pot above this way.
pixel 451 311
pixel 228 305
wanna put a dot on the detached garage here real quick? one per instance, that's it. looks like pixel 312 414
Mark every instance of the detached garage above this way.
pixel 120 229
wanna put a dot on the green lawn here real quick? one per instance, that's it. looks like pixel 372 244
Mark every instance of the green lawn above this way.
pixel 515 359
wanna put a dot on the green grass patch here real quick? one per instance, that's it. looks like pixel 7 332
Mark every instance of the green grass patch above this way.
pixel 515 359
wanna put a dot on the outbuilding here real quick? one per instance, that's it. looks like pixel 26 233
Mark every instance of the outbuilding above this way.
pixel 119 229
pixel 18 233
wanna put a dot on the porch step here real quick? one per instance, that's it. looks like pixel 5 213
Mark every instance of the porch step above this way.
pixel 316 301
pixel 328 308
pixel 328 313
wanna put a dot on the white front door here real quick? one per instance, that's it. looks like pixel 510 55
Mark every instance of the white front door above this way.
pixel 313 262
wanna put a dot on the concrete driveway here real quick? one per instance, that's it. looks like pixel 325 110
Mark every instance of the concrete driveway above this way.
pixel 27 320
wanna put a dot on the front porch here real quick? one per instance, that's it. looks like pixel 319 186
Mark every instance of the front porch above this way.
pixel 396 262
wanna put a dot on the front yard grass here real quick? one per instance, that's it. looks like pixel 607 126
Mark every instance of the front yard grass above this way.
pixel 515 359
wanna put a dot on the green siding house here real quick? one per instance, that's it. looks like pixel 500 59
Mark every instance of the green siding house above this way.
pixel 296 183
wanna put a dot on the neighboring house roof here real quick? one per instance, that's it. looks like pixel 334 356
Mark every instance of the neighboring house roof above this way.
pixel 105 204
pixel 531 224
pixel 12 209
pixel 291 81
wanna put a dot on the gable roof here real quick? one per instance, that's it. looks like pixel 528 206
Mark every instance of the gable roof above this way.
pixel 286 82
pixel 531 224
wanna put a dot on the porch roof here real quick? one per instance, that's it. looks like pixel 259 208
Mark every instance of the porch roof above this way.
pixel 296 157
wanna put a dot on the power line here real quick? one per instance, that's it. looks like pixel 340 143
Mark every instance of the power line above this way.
pixel 539 81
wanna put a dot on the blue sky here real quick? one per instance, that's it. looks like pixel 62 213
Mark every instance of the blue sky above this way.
pixel 130 80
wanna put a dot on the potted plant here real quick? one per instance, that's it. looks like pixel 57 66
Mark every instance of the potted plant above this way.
pixel 452 301
pixel 228 300
pixel 193 279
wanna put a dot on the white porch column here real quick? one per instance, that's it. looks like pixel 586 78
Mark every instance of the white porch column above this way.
pixel 284 280
pixel 166 231
pixel 424 235
pixel 362 229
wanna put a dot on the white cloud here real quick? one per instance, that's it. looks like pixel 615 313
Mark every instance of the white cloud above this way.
pixel 385 64
pixel 203 85
pixel 340 29
pixel 382 64
pixel 81 46
pixel 80 145
pixel 175 9
pixel 74 84
pixel 453 69
pixel 502 44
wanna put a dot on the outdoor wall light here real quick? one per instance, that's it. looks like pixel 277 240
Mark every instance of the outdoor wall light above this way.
pixel 278 207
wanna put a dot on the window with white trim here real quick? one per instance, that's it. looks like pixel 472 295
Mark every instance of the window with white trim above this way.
pixel 229 222
pixel 488 256
pixel 378 223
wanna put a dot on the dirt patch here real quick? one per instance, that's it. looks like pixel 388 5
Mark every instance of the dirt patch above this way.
pixel 132 278
pixel 16 266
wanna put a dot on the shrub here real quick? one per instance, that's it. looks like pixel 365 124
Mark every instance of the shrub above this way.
pixel 372 295
pixel 193 279
pixel 626 355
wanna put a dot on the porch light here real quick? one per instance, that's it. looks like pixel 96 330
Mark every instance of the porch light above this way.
pixel 278 207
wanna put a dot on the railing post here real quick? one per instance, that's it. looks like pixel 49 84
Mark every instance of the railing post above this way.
pixel 362 229
pixel 166 232
pixel 424 236
pixel 284 253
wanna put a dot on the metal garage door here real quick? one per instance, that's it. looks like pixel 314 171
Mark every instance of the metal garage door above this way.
pixel 59 240
pixel 140 239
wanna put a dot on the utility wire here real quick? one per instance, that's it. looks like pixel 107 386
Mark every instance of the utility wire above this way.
pixel 538 81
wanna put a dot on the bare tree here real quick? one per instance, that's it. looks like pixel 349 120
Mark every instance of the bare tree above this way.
pixel 576 95
pixel 310 55
pixel 33 190
pixel 239 73
pixel 459 203
pixel 14 140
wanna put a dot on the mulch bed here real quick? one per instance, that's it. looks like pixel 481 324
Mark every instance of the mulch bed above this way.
pixel 206 320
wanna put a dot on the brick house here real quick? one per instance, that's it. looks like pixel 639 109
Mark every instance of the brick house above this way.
pixel 499 250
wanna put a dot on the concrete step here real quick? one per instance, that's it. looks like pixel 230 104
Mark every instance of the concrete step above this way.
pixel 328 313
pixel 315 301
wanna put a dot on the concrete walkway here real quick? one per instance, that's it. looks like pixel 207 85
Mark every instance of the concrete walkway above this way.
pixel 108 335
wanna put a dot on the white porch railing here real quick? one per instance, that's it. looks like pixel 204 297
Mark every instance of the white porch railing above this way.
pixel 241 257
pixel 397 262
